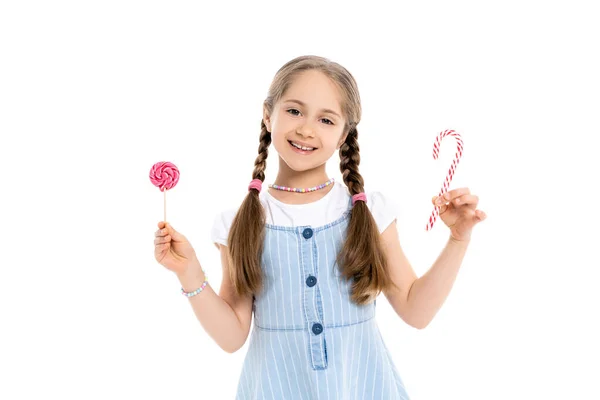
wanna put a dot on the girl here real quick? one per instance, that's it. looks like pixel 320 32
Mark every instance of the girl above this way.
pixel 309 256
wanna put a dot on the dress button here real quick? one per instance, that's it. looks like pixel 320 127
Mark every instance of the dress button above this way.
pixel 317 328
pixel 311 281
pixel 307 233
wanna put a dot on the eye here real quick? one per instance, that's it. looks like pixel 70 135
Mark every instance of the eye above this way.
pixel 292 110
pixel 328 121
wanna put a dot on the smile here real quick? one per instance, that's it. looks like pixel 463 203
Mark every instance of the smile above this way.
pixel 301 149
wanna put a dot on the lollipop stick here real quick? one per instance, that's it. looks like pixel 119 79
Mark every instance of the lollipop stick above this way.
pixel 165 191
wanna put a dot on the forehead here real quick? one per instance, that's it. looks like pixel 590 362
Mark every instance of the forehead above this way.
pixel 315 89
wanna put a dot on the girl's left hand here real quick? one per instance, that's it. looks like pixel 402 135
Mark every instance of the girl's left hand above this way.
pixel 459 213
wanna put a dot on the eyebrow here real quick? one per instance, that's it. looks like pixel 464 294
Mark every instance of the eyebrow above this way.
pixel 324 109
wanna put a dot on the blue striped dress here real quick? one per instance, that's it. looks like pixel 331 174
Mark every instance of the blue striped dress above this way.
pixel 309 341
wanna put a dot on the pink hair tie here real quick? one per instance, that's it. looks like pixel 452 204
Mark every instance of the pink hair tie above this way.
pixel 359 197
pixel 255 184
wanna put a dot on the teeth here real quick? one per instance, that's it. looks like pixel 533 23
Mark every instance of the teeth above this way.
pixel 302 147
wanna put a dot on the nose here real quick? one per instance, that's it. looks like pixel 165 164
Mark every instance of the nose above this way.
pixel 306 130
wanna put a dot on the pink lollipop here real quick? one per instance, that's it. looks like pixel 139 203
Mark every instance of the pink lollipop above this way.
pixel 164 175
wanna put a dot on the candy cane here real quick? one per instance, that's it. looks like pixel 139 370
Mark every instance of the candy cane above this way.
pixel 445 186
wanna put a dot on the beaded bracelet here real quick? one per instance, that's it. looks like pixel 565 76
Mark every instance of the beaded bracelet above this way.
pixel 195 292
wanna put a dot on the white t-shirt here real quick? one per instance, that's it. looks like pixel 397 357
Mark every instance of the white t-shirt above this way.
pixel 327 209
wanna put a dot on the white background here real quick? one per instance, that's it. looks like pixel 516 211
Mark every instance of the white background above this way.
pixel 93 93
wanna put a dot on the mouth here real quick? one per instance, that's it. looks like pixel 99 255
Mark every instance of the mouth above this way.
pixel 301 149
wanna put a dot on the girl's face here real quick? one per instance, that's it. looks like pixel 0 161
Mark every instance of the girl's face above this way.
pixel 309 114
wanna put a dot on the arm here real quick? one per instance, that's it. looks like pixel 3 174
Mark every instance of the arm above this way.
pixel 419 299
pixel 225 317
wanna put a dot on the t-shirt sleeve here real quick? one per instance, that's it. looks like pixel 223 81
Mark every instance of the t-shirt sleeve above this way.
pixel 383 208
pixel 221 225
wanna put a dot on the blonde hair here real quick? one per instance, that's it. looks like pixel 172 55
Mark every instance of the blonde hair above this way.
pixel 361 257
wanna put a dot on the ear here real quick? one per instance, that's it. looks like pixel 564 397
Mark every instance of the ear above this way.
pixel 342 140
pixel 267 119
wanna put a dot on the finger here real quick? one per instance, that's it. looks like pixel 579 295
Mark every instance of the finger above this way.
pixel 470 200
pixel 161 224
pixel 160 240
pixel 454 193
pixel 442 207
pixel 161 248
pixel 439 201
pixel 161 232
pixel 178 237
pixel 476 217
pixel 480 215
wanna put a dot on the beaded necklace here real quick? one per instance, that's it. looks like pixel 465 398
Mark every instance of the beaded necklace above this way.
pixel 302 190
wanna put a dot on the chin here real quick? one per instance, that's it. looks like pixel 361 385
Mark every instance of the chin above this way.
pixel 301 166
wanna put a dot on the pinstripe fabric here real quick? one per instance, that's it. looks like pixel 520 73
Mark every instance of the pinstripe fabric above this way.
pixel 288 358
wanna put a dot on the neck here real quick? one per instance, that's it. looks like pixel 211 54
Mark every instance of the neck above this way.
pixel 304 179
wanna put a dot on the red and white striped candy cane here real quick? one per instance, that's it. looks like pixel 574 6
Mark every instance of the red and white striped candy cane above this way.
pixel 446 185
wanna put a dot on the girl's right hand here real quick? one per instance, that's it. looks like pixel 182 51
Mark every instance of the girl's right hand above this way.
pixel 172 250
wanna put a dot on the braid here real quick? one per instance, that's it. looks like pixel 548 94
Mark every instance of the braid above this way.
pixel 349 161
pixel 260 164
pixel 362 257
pixel 247 231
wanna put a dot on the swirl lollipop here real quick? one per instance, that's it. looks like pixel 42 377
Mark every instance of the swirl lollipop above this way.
pixel 164 175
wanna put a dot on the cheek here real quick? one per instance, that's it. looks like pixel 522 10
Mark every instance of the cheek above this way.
pixel 278 140
pixel 332 140
pixel 329 145
pixel 279 121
